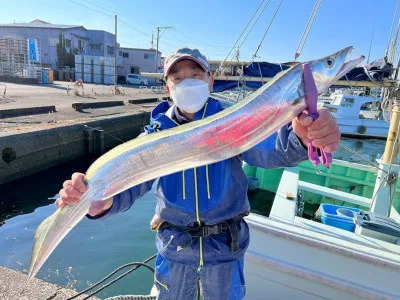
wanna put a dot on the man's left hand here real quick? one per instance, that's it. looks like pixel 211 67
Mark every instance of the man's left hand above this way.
pixel 324 131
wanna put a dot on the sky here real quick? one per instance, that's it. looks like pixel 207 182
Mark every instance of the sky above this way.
pixel 213 26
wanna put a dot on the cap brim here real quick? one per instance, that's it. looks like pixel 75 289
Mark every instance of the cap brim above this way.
pixel 183 58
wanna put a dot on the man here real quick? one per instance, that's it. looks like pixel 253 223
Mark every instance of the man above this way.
pixel 201 234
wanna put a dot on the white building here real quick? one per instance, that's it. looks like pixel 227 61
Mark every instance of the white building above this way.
pixel 137 60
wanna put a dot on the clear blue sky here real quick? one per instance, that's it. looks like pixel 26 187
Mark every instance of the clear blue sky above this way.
pixel 214 25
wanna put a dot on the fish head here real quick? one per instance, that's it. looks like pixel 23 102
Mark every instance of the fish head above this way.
pixel 326 71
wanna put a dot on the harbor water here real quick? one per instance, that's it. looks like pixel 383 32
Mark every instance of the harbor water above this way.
pixel 94 248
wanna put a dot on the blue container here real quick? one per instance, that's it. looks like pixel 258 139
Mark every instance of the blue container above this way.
pixel 45 76
pixel 338 216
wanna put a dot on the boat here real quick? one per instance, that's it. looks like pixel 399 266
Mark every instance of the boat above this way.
pixel 293 256
pixel 359 116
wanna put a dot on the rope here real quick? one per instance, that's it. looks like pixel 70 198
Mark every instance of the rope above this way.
pixel 136 265
pixel 391 28
pixel 220 67
pixel 372 37
pixel 307 29
pixel 265 6
pixel 361 157
pixel 266 31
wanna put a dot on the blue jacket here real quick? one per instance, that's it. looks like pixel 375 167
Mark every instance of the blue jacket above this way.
pixel 212 193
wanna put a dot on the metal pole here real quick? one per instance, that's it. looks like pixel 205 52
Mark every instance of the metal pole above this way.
pixel 158 37
pixel 115 54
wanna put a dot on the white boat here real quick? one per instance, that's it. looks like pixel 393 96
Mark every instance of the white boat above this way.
pixel 359 116
pixel 291 257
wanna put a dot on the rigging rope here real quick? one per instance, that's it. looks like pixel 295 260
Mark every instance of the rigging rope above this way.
pixel 361 157
pixel 307 29
pixel 255 22
pixel 392 53
pixel 266 31
pixel 233 47
pixel 391 29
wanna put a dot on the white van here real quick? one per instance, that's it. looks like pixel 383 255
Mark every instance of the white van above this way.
pixel 136 79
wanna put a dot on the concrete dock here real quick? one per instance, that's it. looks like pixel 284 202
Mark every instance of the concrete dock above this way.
pixel 13 286
pixel 31 141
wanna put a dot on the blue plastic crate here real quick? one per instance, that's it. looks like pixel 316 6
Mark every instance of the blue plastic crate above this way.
pixel 342 219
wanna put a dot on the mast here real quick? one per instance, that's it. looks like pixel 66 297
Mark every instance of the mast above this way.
pixel 386 180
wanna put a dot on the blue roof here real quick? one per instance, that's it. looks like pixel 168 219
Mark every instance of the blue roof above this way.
pixel 41 25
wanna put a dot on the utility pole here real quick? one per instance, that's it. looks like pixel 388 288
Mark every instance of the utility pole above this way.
pixel 162 30
pixel 152 40
pixel 115 55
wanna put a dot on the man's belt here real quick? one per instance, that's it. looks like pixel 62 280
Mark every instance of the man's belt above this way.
pixel 207 230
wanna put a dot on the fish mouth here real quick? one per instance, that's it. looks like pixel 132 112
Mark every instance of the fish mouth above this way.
pixel 350 64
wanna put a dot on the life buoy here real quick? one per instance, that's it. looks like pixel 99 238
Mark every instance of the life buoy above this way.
pixel 361 129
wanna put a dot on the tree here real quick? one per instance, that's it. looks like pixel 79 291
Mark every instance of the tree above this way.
pixel 65 59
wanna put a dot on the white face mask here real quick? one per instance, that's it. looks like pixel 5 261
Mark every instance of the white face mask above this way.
pixel 190 95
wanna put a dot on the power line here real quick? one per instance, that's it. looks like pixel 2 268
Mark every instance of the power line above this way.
pixel 94 9
pixel 138 30
pixel 197 43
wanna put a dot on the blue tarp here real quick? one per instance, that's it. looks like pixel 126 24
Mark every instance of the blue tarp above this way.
pixel 377 70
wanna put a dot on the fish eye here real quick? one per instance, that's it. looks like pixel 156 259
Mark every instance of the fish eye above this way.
pixel 329 62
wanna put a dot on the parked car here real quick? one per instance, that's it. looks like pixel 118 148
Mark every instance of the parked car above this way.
pixel 136 79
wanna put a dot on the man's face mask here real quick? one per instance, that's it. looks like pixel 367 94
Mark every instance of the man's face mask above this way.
pixel 190 95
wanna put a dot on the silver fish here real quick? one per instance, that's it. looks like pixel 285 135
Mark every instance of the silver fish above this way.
pixel 215 138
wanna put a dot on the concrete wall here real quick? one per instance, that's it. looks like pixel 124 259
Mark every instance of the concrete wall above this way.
pixel 39 150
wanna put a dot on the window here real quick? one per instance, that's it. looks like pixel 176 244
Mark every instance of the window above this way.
pixel 110 50
pixel 135 70
pixel 67 43
pixel 120 53
pixel 347 102
pixel 80 45
pixel 125 54
pixel 53 42
pixel 95 47
pixel 149 56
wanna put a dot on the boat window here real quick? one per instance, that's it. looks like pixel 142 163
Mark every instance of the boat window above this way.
pixel 336 99
pixel 331 109
pixel 366 106
pixel 347 102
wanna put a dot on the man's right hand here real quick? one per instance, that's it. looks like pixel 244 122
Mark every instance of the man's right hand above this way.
pixel 72 192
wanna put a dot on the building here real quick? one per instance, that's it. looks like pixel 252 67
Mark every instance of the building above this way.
pixel 78 39
pixel 137 60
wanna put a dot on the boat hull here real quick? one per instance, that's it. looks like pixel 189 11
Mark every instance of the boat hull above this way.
pixel 288 261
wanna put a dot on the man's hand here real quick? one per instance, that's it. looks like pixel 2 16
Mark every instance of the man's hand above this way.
pixel 72 192
pixel 324 131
